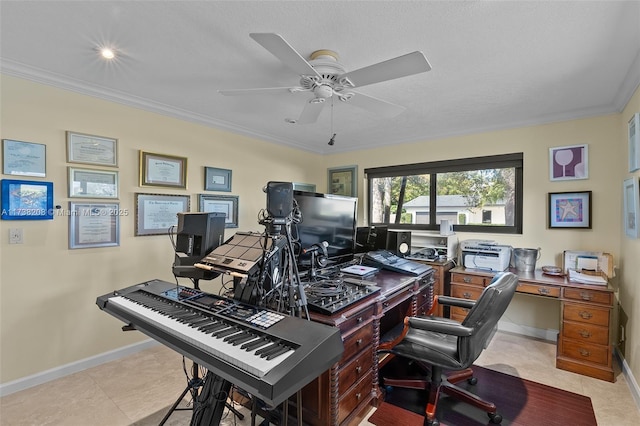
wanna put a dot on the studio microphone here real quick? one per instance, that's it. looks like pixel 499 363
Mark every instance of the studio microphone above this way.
pixel 314 248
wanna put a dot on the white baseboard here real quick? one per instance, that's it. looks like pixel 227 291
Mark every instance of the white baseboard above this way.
pixel 74 367
pixel 628 375
pixel 538 333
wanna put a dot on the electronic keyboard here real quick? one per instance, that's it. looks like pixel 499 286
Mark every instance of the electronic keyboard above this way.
pixel 268 354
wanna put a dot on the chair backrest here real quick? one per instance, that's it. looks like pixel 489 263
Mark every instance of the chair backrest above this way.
pixel 483 317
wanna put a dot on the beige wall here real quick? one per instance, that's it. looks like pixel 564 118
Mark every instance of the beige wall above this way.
pixel 48 292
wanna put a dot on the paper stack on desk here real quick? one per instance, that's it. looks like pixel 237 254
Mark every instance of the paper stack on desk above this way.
pixel 585 278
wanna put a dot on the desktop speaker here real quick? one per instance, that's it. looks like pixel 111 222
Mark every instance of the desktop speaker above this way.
pixel 399 242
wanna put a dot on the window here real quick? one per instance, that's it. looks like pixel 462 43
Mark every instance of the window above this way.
pixel 482 194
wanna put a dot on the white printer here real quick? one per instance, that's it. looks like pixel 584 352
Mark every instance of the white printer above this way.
pixel 485 254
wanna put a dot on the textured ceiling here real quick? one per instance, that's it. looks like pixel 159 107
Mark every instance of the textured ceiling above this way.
pixel 495 64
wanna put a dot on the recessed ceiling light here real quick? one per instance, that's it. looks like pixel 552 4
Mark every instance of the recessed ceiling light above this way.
pixel 107 53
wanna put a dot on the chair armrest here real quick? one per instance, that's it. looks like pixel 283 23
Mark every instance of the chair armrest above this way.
pixel 445 327
pixel 456 301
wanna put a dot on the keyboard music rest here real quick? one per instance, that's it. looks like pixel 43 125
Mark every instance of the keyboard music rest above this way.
pixel 316 346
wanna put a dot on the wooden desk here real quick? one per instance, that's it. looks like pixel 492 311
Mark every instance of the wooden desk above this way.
pixel 345 393
pixel 585 340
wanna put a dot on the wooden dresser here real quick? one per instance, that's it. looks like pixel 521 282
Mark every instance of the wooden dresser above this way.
pixel 585 340
pixel 346 392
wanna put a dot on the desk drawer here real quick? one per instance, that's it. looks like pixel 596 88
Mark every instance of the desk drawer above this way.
pixel 585 332
pixel 463 292
pixel 358 319
pixel 469 279
pixel 357 341
pixel 585 314
pixel 397 299
pixel 355 370
pixel 425 297
pixel 593 296
pixel 540 290
pixel 360 392
pixel 585 352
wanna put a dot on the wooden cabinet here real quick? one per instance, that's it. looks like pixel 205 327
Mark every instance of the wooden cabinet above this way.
pixel 585 337
pixel 345 393
pixel 441 283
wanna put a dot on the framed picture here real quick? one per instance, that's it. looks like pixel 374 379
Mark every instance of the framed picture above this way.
pixel 26 200
pixel 91 149
pixel 94 225
pixel 343 181
pixel 217 179
pixel 24 158
pixel 569 162
pixel 307 187
pixel 156 213
pixel 634 142
pixel 89 183
pixel 570 209
pixel 227 204
pixel 163 170
pixel 631 208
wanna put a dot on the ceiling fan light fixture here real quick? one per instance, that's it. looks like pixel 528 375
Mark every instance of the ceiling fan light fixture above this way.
pixel 106 52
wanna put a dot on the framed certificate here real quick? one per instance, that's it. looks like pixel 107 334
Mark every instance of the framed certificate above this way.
pixel 90 183
pixel 156 213
pixel 227 204
pixel 24 158
pixel 94 225
pixel 91 149
pixel 217 179
pixel 163 170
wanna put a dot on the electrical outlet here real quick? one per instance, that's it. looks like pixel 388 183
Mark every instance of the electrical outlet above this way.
pixel 15 235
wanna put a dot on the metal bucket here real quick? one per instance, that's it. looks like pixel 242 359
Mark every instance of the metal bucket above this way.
pixel 525 259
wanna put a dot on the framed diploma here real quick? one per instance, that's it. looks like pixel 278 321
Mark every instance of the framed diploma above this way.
pixel 156 213
pixel 163 170
pixel 89 183
pixel 91 149
pixel 26 200
pixel 24 158
pixel 94 225
pixel 227 204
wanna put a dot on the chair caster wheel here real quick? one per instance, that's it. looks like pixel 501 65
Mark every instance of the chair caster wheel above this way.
pixel 472 381
pixel 495 418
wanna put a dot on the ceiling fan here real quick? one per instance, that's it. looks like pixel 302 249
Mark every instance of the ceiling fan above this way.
pixel 325 77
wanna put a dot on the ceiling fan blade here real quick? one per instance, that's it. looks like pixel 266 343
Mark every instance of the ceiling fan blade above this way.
pixel 311 112
pixel 282 50
pixel 256 91
pixel 375 105
pixel 402 66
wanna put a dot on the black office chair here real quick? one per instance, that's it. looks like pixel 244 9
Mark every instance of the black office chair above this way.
pixel 440 344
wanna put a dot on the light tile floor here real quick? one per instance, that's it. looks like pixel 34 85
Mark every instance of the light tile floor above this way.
pixel 137 390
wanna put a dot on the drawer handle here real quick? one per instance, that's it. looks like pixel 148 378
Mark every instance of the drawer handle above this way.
pixel 543 290
pixel 585 333
pixel 358 369
pixel 386 304
pixel 585 295
pixel 466 295
pixel 358 396
pixel 359 320
pixel 585 314
pixel 584 352
pixel 466 279
pixel 359 342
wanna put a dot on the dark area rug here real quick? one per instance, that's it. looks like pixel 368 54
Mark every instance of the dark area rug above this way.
pixel 519 401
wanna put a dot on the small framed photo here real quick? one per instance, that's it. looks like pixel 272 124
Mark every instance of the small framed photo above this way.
pixel 631 208
pixel 634 142
pixel 94 225
pixel 163 170
pixel 90 183
pixel 569 162
pixel 91 149
pixel 343 181
pixel 156 213
pixel 217 179
pixel 227 204
pixel 26 200
pixel 570 209
pixel 306 187
pixel 24 158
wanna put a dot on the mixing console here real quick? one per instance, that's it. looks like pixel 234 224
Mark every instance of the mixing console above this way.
pixel 328 296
